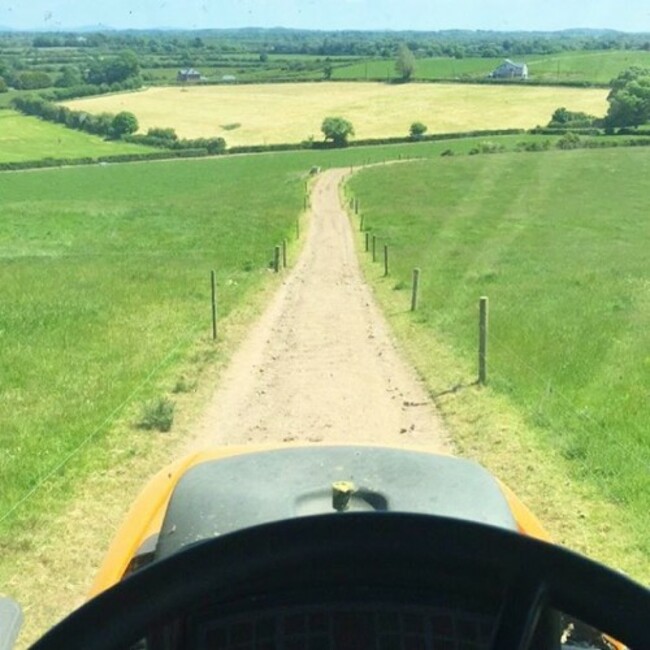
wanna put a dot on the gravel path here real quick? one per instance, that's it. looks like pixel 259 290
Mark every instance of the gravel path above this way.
pixel 320 365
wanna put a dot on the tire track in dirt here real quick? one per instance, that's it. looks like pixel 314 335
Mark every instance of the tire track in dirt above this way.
pixel 320 365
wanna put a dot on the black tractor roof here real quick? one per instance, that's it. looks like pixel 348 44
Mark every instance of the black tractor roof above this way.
pixel 225 495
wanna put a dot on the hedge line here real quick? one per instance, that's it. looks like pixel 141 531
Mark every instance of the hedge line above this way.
pixel 213 146
pixel 199 152
pixel 118 158
pixel 555 130
pixel 104 125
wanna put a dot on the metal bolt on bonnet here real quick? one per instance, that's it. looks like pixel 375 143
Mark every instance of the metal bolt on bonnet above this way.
pixel 342 492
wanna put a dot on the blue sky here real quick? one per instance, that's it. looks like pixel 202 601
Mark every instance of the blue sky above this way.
pixel 627 15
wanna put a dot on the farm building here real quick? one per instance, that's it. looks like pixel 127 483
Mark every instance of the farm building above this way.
pixel 188 75
pixel 510 70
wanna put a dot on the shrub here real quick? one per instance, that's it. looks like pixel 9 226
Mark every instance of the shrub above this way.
pixel 487 147
pixel 124 123
pixel 417 130
pixel 162 134
pixel 543 145
pixel 565 119
pixel 569 141
pixel 157 414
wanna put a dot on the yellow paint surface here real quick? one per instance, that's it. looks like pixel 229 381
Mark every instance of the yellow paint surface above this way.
pixel 274 113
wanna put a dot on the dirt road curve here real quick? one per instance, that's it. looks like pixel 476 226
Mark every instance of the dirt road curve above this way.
pixel 320 366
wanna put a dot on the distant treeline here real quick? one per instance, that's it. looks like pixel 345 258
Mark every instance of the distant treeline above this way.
pixel 457 43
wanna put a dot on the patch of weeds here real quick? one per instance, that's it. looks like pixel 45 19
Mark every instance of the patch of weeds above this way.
pixel 230 127
pixel 184 385
pixel 489 276
pixel 400 286
pixel 574 451
pixel 487 147
pixel 204 355
pixel 248 266
pixel 157 414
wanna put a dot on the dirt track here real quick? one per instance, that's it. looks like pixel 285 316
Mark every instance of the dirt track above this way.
pixel 320 365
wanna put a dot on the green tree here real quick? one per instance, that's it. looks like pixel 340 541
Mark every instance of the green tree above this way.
pixel 629 99
pixel 337 129
pixel 114 70
pixel 70 76
pixel 124 123
pixel 405 64
pixel 563 118
pixel 417 130
pixel 33 80
pixel 3 86
pixel 328 69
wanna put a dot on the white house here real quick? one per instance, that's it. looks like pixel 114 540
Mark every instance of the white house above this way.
pixel 188 75
pixel 510 70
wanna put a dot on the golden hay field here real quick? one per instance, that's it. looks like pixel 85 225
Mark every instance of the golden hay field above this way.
pixel 273 113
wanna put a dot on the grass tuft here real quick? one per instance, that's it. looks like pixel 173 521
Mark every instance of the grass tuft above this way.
pixel 157 414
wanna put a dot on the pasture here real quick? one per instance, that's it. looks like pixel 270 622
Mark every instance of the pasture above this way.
pixel 277 113
pixel 104 285
pixel 105 293
pixel 561 251
pixel 28 138
pixel 598 67
pixel 104 282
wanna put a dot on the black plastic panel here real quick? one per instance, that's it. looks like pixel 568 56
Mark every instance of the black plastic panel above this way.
pixel 230 494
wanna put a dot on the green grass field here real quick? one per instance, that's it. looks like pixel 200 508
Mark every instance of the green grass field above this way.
pixel 426 69
pixel 593 66
pixel 598 67
pixel 28 138
pixel 104 281
pixel 559 243
pixel 105 293
pixel 104 286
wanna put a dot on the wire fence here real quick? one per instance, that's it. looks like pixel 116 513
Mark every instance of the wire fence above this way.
pixel 623 464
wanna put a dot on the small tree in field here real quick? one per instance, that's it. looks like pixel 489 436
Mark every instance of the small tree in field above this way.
pixel 417 130
pixel 337 129
pixel 124 123
pixel 405 64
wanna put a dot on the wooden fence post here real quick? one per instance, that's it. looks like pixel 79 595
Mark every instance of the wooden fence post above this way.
pixel 482 340
pixel 284 253
pixel 415 290
pixel 213 282
pixel 374 248
pixel 385 260
pixel 367 242
pixel 276 259
pixel 361 224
